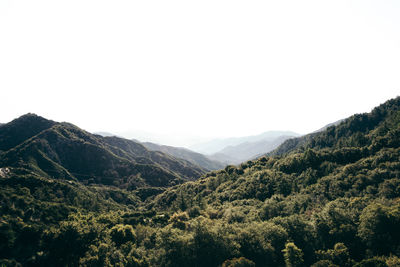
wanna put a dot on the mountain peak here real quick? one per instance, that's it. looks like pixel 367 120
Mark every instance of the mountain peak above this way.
pixel 30 118
pixel 21 129
pixel 29 114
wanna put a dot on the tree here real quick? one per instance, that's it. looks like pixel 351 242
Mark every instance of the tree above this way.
pixel 238 262
pixel 339 255
pixel 379 228
pixel 293 255
pixel 373 262
pixel 69 242
pixel 121 233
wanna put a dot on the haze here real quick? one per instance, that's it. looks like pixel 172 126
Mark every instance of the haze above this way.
pixel 193 70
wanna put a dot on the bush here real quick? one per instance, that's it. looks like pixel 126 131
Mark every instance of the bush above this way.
pixel 238 262
pixel 122 233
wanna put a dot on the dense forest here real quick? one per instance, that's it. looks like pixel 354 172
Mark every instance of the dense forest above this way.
pixel 332 198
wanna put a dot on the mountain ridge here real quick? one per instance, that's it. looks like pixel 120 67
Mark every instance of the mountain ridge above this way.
pixel 216 145
pixel 12 135
pixel 71 153
pixel 329 199
pixel 187 154
pixel 250 150
pixel 358 123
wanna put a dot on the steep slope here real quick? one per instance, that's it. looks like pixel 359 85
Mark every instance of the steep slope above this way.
pixel 138 152
pixel 183 153
pixel 329 125
pixel 65 151
pixel 18 130
pixel 355 131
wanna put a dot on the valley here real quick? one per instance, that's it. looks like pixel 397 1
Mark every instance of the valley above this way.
pixel 329 198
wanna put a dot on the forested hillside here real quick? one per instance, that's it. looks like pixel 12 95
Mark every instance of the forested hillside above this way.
pixel 63 151
pixel 360 130
pixel 326 199
pixel 183 153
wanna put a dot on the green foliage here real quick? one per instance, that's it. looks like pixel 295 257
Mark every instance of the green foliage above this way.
pixel 211 247
pixel 324 263
pixel 331 200
pixel 393 261
pixel 339 255
pixel 67 243
pixel 293 255
pixel 121 234
pixel 238 262
pixel 262 243
pixel 63 151
pixel 379 228
pixel 373 262
pixel 179 220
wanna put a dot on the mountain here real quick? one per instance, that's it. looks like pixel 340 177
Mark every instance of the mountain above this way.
pixel 64 151
pixel 350 132
pixel 216 145
pixel 223 158
pixel 19 130
pixel 249 150
pixel 186 154
pixel 330 198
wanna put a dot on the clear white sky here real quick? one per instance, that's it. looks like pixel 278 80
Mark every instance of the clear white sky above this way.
pixel 197 68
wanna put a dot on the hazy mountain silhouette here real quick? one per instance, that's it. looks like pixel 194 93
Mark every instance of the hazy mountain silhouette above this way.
pixel 216 145
pixel 249 150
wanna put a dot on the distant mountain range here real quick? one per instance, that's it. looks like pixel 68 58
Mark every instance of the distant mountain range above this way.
pixel 249 150
pixel 232 150
pixel 217 145
pixel 62 150
pixel 239 149
pixel 218 153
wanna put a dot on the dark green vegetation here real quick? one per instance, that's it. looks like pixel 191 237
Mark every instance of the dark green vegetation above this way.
pixel 328 199
pixel 183 153
pixel 63 151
